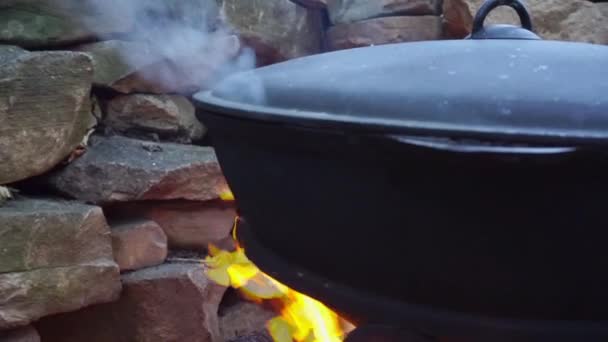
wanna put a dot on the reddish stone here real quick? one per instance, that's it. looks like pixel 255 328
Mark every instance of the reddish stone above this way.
pixel 172 117
pixel 384 31
pixel 138 244
pixel 171 302
pixel 349 11
pixel 188 224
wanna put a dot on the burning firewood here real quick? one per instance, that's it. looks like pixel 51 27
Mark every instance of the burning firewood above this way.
pixel 302 318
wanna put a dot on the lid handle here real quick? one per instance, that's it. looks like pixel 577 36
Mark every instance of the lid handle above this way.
pixel 505 32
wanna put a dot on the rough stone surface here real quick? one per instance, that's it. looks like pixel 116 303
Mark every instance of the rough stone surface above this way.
pixel 56 257
pixel 138 244
pixel 276 29
pixel 384 30
pixel 188 224
pixel 313 4
pixel 566 20
pixel 119 169
pixel 603 7
pixel 457 19
pixel 44 109
pixel 244 319
pixel 50 23
pixel 349 11
pixel 48 233
pixel 171 302
pixel 27 296
pixel 141 67
pixel 172 117
pixel 25 334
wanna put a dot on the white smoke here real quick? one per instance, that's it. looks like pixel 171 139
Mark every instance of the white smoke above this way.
pixel 197 46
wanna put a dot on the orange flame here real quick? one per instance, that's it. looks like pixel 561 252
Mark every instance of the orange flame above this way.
pixel 302 318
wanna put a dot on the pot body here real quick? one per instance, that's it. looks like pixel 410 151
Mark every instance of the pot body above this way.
pixel 499 235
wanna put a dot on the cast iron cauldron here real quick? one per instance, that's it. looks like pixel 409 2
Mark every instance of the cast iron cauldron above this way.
pixel 456 187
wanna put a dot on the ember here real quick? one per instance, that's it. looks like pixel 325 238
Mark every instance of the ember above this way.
pixel 301 318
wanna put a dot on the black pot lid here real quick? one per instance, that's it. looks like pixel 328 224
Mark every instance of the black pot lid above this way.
pixel 500 82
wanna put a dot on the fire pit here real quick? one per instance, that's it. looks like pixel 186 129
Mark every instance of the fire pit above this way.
pixel 452 188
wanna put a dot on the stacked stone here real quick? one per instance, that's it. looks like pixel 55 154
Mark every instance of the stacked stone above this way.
pixel 116 193
pixel 357 23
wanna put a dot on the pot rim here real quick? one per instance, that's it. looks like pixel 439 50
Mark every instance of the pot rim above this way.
pixel 213 105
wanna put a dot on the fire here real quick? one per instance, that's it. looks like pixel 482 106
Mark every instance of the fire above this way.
pixel 302 319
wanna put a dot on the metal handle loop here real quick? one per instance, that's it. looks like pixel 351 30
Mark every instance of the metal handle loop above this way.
pixel 489 5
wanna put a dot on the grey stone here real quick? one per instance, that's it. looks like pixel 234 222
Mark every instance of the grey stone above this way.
pixel 119 169
pixel 276 29
pixel 170 116
pixel 51 23
pixel 45 233
pixel 45 109
pixel 56 256
pixel 28 296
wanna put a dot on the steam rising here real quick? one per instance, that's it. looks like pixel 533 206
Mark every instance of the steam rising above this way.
pixel 197 47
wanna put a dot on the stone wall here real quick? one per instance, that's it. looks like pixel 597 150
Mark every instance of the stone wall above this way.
pixel 115 188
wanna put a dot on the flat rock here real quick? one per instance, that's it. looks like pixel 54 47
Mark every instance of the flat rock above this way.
pixel 188 224
pixel 138 244
pixel 170 302
pixel 24 334
pixel 276 29
pixel 244 319
pixel 56 257
pixel 52 23
pixel 349 11
pixel 384 30
pixel 172 117
pixel 48 233
pixel 119 169
pixel 143 67
pixel 44 109
pixel 28 296
pixel 565 20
